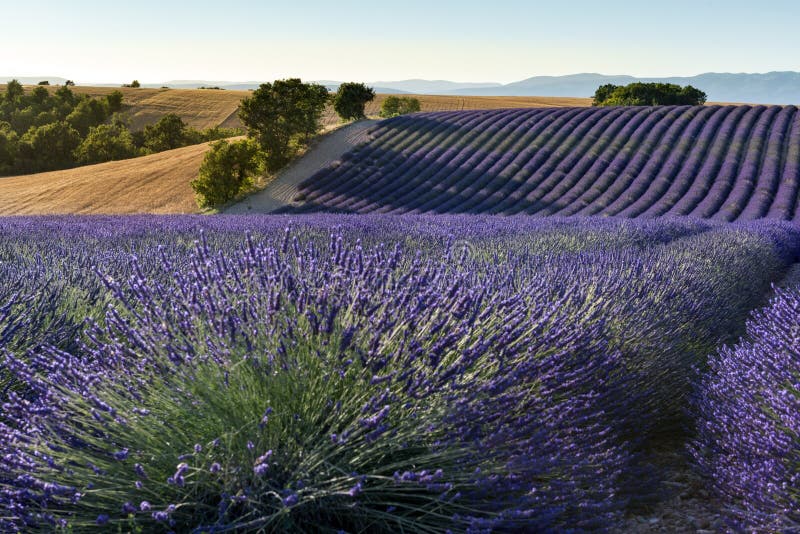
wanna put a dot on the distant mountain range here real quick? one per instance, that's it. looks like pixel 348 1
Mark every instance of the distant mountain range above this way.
pixel 768 88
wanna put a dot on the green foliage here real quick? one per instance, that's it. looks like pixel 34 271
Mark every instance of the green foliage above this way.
pixel 65 95
pixel 281 114
pixel 44 82
pixel 648 94
pixel 350 99
pixel 9 147
pixel 399 105
pixel 49 147
pixel 40 95
pixel 14 90
pixel 69 83
pixel 114 101
pixel 89 112
pixel 168 133
pixel 134 84
pixel 227 169
pixel 107 142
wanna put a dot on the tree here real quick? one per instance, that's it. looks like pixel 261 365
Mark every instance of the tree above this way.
pixel 134 84
pixel 350 100
pixel 393 106
pixel 50 147
pixel 9 147
pixel 14 90
pixel 648 94
pixel 279 114
pixel 106 142
pixel 227 169
pixel 40 95
pixel 114 101
pixel 168 133
pixel 44 82
pixel 69 83
pixel 89 112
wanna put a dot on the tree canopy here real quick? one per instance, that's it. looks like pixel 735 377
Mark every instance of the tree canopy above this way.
pixel 282 114
pixel 350 100
pixel 648 94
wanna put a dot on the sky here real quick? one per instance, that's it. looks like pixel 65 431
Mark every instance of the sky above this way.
pixel 469 41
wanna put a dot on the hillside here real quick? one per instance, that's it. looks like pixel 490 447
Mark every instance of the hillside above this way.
pixel 720 162
pixel 206 108
pixel 150 184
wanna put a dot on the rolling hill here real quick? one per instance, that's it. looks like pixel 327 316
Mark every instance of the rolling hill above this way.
pixel 718 162
pixel 150 184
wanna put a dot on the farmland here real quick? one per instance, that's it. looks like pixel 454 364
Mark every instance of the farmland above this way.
pixel 726 163
pixel 473 321
pixel 207 108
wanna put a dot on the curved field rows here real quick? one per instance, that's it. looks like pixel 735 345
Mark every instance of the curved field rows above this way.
pixel 717 162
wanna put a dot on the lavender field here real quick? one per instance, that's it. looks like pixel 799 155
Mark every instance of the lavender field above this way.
pixel 339 373
pixel 724 163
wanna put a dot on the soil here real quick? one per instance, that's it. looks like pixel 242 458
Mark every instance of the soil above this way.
pixel 326 151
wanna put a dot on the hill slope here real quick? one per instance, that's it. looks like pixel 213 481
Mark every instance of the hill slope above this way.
pixel 206 108
pixel 151 184
pixel 726 163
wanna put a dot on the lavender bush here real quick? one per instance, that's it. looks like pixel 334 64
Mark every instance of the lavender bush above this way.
pixel 357 373
pixel 749 420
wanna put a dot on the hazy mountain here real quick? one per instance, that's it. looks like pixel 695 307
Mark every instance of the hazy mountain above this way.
pixel 435 87
pixel 769 88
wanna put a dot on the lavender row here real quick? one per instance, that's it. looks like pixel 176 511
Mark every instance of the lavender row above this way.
pixel 723 162
pixel 748 440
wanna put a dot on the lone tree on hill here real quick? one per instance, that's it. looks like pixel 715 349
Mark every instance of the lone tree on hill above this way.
pixel 399 105
pixel 350 99
pixel 648 94
pixel 282 114
pixel 227 169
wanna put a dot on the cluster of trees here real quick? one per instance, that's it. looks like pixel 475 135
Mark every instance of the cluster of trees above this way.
pixel 40 131
pixel 281 118
pixel 648 94
pixel 399 105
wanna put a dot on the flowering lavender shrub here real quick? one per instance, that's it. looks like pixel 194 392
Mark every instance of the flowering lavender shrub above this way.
pixel 749 420
pixel 471 373
pixel 287 387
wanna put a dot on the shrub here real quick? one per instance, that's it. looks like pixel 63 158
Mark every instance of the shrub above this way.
pixel 227 169
pixel 340 389
pixel 749 420
pixel 399 105
pixel 350 99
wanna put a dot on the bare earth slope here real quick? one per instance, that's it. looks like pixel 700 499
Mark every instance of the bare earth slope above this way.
pixel 151 184
pixel 329 149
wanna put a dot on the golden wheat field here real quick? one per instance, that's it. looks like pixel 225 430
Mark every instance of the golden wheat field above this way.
pixel 206 108
pixel 158 183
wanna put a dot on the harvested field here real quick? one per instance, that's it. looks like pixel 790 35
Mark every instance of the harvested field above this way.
pixel 158 183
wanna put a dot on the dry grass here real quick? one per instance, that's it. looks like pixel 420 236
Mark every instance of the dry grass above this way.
pixel 206 108
pixel 150 184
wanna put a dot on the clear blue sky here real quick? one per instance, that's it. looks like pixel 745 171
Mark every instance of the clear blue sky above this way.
pixel 486 40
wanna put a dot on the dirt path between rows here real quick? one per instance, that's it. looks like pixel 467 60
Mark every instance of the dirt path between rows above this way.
pixel 330 148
